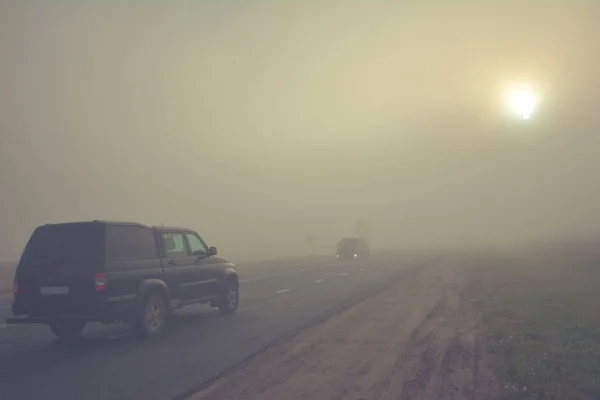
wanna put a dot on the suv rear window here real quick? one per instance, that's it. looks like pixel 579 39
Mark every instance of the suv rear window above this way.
pixel 129 242
pixel 69 243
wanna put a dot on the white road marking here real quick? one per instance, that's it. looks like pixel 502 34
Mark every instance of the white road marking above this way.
pixel 120 336
pixel 319 280
pixel 343 274
pixel 262 278
pixel 283 291
pixel 362 269
pixel 6 326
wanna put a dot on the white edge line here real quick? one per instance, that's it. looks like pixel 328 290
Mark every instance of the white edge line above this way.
pixel 6 326
pixel 283 291
pixel 120 336
pixel 261 278
pixel 319 280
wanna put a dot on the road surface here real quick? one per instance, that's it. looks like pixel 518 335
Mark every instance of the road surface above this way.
pixel 276 299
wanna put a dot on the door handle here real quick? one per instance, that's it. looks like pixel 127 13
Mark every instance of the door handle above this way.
pixel 172 263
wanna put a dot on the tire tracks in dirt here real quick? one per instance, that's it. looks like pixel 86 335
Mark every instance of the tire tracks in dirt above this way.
pixel 441 360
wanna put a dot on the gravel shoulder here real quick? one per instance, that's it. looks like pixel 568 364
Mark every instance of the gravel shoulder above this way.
pixel 420 339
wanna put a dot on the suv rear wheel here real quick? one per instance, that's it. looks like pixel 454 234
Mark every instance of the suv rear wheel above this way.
pixel 230 297
pixel 152 316
pixel 68 330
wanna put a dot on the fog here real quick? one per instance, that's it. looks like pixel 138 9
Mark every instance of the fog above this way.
pixel 259 123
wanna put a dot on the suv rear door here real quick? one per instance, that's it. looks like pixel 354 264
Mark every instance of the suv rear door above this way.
pixel 131 256
pixel 55 275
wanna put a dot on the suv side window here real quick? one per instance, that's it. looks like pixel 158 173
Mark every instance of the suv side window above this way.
pixel 174 245
pixel 197 247
pixel 128 242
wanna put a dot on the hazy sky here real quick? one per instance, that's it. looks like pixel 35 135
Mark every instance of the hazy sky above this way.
pixel 260 122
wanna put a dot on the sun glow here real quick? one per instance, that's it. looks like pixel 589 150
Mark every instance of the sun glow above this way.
pixel 521 102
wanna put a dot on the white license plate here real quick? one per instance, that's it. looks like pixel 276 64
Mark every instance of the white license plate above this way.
pixel 53 291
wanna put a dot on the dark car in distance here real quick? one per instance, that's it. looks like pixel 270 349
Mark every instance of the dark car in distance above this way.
pixel 352 249
pixel 74 273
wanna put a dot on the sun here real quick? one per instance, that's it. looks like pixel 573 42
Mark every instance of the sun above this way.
pixel 521 101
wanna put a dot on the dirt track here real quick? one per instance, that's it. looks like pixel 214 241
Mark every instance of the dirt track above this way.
pixel 418 340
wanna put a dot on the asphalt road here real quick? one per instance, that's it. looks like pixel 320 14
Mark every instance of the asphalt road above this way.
pixel 277 299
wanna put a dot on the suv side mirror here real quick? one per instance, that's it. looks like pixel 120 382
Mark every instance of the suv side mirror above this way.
pixel 212 251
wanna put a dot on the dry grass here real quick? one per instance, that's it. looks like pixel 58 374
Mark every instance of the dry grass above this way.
pixel 542 317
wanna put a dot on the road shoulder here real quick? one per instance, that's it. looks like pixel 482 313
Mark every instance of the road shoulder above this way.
pixel 417 340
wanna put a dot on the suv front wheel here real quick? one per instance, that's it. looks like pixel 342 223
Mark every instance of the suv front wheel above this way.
pixel 230 297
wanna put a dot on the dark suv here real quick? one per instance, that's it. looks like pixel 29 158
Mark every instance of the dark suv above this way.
pixel 74 273
pixel 352 249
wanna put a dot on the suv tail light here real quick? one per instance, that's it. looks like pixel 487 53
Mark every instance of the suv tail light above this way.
pixel 15 286
pixel 100 282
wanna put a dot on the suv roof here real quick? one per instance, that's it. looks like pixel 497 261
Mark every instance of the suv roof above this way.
pixel 97 222
pixel 158 228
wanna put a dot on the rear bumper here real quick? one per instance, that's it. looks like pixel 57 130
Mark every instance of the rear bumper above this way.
pixel 49 320
pixel 106 312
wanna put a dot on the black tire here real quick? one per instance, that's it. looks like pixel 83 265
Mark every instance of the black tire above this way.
pixel 230 297
pixel 68 331
pixel 151 316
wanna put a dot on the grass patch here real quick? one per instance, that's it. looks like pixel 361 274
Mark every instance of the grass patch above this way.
pixel 542 318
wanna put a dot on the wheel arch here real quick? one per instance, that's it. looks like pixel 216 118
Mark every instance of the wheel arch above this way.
pixel 230 274
pixel 153 286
